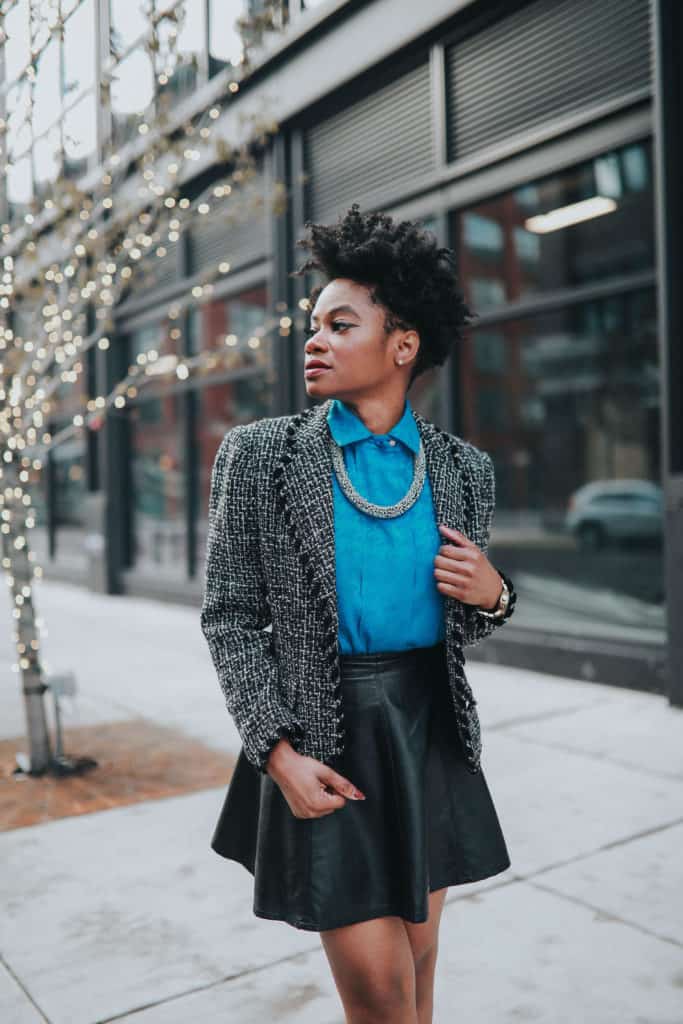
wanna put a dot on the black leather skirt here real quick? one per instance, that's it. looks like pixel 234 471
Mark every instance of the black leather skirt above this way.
pixel 427 822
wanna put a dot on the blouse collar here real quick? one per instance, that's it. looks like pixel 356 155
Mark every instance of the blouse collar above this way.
pixel 346 426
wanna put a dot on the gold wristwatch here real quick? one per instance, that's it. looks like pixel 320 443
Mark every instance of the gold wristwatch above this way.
pixel 503 601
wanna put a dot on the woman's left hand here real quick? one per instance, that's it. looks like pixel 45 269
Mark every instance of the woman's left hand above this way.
pixel 463 571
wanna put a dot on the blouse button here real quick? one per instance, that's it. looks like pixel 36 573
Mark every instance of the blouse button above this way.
pixel 392 441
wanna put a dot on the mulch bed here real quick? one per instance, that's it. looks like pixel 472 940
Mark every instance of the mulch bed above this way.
pixel 136 760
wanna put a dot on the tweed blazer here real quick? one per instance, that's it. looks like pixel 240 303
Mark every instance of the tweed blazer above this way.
pixel 269 611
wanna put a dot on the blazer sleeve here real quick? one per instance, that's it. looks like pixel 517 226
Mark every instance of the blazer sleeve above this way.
pixel 235 609
pixel 478 627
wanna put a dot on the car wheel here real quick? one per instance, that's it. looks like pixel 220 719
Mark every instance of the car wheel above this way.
pixel 591 536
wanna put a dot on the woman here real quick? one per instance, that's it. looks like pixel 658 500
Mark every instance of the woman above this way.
pixel 346 570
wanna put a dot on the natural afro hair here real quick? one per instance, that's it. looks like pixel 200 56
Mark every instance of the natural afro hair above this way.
pixel 408 273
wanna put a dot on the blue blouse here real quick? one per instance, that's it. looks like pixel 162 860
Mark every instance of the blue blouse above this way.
pixel 386 588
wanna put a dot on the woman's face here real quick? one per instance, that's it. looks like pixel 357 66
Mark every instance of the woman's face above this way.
pixel 346 333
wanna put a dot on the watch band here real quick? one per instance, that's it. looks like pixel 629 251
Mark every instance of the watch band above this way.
pixel 506 601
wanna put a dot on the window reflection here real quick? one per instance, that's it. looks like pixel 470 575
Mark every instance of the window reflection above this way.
pixel 158 471
pixel 67 474
pixel 589 223
pixel 225 42
pixel 567 403
pixel 246 395
pixel 238 330
pixel 69 490
pixel 132 93
pixel 182 45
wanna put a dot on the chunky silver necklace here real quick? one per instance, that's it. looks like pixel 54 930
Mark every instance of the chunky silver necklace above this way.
pixel 380 511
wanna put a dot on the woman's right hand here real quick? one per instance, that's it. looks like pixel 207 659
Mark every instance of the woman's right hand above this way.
pixel 312 789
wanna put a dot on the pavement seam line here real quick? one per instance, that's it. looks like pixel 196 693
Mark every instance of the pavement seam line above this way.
pixel 607 913
pixel 208 985
pixel 19 983
pixel 532 876
pixel 602 758
pixel 601 849
pixel 541 716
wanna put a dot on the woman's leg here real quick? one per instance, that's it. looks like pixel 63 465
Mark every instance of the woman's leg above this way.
pixel 373 969
pixel 424 944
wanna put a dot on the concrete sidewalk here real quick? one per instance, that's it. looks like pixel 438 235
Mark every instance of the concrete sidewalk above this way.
pixel 127 913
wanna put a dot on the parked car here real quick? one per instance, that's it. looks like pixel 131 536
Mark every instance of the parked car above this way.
pixel 613 510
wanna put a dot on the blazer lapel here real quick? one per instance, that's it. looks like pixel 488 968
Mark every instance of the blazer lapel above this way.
pixel 304 480
pixel 306 489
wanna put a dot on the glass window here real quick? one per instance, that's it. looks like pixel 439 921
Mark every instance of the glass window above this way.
pixel 128 22
pixel 47 104
pixel 220 407
pixel 19 188
pixel 586 224
pixel 182 48
pixel 235 328
pixel 158 470
pixel 67 476
pixel 483 234
pixel 18 45
pixel 18 119
pixel 80 136
pixel 47 161
pixel 490 352
pixel 79 51
pixel 573 429
pixel 484 292
pixel 44 17
pixel 132 94
pixel 225 42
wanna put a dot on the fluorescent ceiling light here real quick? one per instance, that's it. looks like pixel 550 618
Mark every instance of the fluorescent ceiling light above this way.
pixel 563 216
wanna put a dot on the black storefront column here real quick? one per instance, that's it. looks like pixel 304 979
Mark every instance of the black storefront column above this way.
pixel 107 507
pixel 281 285
pixel 668 33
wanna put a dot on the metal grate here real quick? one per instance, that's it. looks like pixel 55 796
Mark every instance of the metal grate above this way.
pixel 551 58
pixel 237 230
pixel 387 137
pixel 158 272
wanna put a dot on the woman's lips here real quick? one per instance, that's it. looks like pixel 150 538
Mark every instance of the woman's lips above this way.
pixel 315 370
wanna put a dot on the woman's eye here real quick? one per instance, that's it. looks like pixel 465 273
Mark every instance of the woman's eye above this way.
pixel 335 323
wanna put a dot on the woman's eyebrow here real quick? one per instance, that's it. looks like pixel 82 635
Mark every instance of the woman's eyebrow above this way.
pixel 339 309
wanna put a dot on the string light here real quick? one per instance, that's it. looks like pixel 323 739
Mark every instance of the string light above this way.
pixel 113 235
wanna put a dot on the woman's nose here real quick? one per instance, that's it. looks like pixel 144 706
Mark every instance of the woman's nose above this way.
pixel 314 342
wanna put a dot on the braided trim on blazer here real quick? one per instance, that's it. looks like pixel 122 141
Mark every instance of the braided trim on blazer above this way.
pixel 235 612
pixel 271 565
